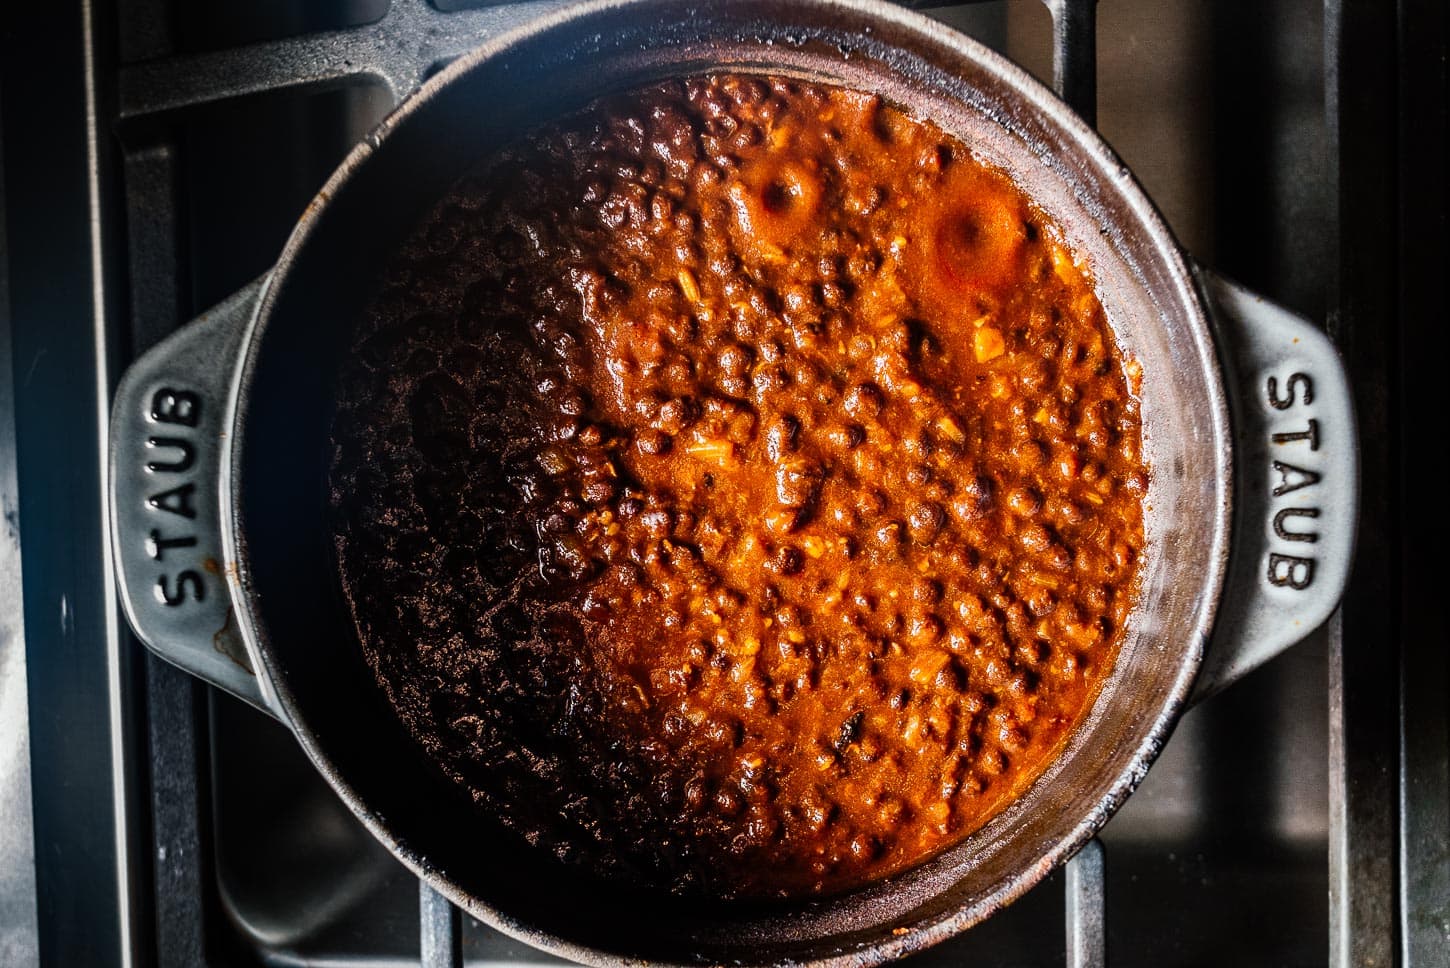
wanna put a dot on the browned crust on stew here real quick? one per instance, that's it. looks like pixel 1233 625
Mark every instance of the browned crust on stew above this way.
pixel 737 487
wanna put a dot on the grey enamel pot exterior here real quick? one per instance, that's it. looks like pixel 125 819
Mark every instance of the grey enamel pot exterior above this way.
pixel 219 447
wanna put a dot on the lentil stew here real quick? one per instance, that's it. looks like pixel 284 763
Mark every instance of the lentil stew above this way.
pixel 737 487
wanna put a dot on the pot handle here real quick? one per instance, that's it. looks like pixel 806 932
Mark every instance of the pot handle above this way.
pixel 169 428
pixel 1296 481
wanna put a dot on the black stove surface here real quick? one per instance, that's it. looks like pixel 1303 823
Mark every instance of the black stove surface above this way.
pixel 155 155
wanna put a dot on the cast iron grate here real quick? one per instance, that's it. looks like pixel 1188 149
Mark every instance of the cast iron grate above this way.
pixel 125 767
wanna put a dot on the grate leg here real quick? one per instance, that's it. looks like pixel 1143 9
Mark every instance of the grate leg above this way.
pixel 1087 942
pixel 442 930
pixel 1075 54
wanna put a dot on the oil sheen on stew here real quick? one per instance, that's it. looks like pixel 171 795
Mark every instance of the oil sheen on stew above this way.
pixel 737 488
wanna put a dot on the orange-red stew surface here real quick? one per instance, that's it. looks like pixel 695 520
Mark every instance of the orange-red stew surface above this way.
pixel 737 487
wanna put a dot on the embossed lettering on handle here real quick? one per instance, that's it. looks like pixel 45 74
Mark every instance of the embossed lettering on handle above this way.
pixel 169 423
pixel 174 494
pixel 1296 484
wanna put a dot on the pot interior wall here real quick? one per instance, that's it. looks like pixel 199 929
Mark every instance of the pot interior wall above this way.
pixel 308 642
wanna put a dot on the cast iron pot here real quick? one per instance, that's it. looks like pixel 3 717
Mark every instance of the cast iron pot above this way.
pixel 220 444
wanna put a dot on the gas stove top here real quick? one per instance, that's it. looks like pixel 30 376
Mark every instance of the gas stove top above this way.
pixel 154 157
